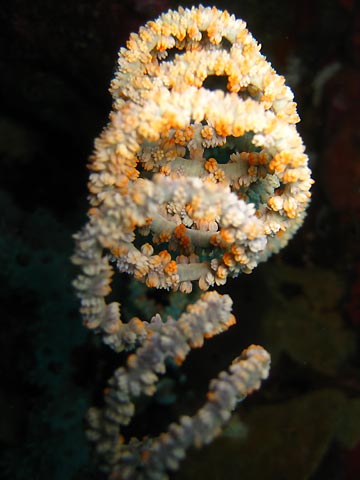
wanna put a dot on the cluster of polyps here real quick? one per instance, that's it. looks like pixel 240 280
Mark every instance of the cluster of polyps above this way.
pixel 200 173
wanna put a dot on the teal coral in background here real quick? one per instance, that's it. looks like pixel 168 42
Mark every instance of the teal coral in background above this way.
pixel 44 403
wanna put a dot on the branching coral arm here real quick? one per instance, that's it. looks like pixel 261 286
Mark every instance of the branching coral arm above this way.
pixel 199 175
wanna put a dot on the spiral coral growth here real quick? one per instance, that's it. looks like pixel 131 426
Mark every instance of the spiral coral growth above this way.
pixel 200 173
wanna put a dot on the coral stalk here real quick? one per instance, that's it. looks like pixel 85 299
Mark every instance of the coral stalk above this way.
pixel 191 182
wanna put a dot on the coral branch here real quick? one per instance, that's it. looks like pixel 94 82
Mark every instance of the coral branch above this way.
pixel 151 457
pixel 190 182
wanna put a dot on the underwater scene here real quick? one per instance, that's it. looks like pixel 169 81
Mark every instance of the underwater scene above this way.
pixel 180 240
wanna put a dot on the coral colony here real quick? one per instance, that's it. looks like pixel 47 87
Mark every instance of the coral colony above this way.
pixel 199 175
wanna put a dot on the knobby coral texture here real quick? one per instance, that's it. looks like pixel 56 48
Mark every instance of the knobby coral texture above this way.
pixel 199 175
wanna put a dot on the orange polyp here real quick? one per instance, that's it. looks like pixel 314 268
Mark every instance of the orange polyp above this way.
pixel 222 128
pixel 164 256
pixel 164 237
pixel 253 158
pixel 252 171
pixel 122 182
pixel 185 242
pixel 138 274
pixel 279 161
pixel 200 342
pixel 208 335
pixel 118 251
pixel 211 165
pixel 214 240
pixel 132 360
pixel 96 166
pixel 211 396
pixel 152 280
pixel 179 359
pixel 180 231
pixel 171 267
pixel 228 259
pixel 227 235
pixel 137 325
pixel 231 321
pixel 138 198
pixel 221 272
pixel 207 132
pixel 290 176
pixel 93 211
pixel 192 31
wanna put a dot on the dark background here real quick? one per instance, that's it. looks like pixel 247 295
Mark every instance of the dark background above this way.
pixel 56 62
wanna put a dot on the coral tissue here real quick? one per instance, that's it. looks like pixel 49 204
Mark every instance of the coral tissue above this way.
pixel 199 175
